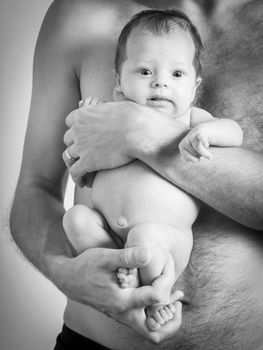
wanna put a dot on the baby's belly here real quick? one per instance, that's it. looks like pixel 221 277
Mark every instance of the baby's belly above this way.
pixel 135 194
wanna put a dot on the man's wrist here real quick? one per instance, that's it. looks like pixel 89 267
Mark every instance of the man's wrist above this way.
pixel 154 135
pixel 56 269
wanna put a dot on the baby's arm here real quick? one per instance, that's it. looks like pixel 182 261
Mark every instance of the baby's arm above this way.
pixel 209 131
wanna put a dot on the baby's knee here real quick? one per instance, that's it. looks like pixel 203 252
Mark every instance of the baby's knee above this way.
pixel 145 234
pixel 76 218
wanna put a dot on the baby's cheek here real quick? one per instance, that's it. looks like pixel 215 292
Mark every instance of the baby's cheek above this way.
pixel 134 93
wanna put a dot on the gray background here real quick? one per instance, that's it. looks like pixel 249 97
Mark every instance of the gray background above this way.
pixel 31 308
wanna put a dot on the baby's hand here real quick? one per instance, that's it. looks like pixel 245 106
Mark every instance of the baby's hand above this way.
pixel 195 145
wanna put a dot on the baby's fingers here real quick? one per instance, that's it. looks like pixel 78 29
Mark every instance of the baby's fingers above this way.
pixel 189 156
pixel 203 140
pixel 202 147
pixel 204 152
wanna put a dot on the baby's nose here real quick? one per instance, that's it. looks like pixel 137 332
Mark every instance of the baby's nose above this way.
pixel 159 84
pixel 160 81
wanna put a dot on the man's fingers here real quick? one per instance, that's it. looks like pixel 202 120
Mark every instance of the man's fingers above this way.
pixel 90 101
pixel 131 258
pixel 70 119
pixel 77 173
pixel 68 138
pixel 163 282
pixel 176 296
pixel 142 297
pixel 136 319
pixel 69 156
pixel 69 162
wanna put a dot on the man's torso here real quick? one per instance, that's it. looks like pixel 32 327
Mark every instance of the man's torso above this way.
pixel 222 299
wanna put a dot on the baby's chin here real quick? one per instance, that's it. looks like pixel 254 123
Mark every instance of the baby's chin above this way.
pixel 167 109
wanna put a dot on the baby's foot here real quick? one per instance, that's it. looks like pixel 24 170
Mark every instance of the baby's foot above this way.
pixel 160 316
pixel 128 278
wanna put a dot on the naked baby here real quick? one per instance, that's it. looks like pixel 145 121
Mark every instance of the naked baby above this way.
pixel 158 66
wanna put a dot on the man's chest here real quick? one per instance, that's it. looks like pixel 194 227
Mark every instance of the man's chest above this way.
pixel 233 73
pixel 233 70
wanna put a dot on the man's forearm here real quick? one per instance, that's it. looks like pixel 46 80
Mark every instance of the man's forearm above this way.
pixel 231 182
pixel 36 227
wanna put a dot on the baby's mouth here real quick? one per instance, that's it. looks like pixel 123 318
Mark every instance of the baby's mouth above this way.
pixel 158 101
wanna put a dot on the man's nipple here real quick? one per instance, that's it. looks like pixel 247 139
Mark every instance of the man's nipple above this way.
pixel 122 222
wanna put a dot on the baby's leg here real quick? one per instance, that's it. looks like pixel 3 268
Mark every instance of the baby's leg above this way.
pixel 167 243
pixel 86 228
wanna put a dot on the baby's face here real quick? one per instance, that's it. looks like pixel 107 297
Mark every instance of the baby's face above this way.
pixel 159 71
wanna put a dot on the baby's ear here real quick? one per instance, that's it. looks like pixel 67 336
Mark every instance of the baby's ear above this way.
pixel 117 78
pixel 118 95
pixel 118 82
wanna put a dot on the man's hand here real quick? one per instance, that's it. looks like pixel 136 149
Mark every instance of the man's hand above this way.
pixel 97 137
pixel 136 317
pixel 90 278
pixel 111 134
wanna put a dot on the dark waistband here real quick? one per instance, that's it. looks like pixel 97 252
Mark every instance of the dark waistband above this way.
pixel 71 340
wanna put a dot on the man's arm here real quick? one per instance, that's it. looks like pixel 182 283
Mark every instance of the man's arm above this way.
pixel 36 217
pixel 38 204
pixel 231 182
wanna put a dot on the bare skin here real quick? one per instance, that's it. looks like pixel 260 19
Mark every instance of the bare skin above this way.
pixel 222 308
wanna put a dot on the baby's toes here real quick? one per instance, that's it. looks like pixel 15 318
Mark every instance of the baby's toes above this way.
pixel 152 324
pixel 123 270
pixel 121 276
pixel 124 284
pixel 158 317
pixel 166 314
pixel 171 308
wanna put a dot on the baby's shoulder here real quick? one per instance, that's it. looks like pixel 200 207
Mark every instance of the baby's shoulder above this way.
pixel 199 115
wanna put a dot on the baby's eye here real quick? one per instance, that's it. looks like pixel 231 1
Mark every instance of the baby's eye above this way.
pixel 145 71
pixel 177 74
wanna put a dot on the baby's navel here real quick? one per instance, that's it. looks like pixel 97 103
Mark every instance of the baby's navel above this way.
pixel 122 222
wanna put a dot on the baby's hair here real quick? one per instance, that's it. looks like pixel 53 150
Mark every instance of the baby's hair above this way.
pixel 159 22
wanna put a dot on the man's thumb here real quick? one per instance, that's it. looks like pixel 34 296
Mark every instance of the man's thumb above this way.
pixel 131 257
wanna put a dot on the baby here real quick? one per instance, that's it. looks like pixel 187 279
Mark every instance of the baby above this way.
pixel 157 65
